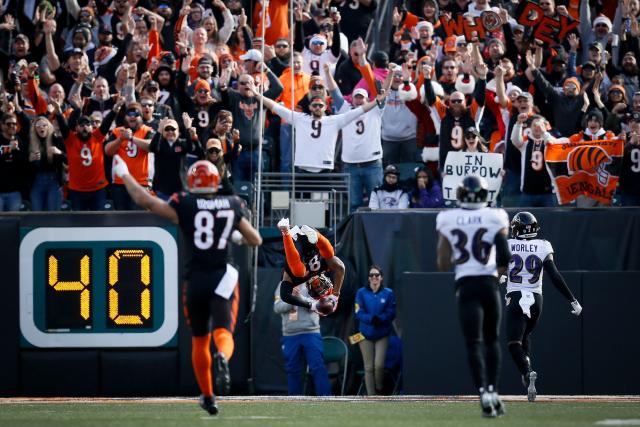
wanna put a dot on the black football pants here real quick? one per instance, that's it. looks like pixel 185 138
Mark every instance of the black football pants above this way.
pixel 519 328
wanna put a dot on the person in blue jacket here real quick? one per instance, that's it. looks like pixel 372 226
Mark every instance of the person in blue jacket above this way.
pixel 375 310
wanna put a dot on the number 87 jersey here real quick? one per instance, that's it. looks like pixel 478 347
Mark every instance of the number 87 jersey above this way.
pixel 526 265
pixel 472 233
pixel 207 223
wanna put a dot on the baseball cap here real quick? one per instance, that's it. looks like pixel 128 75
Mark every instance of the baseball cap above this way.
pixel 595 45
pixel 22 37
pixel 471 131
pixel 252 55
pixel 526 95
pixel 105 29
pixel 589 64
pixel 83 120
pixel 205 60
pixel 559 59
pixel 360 91
pixel 391 170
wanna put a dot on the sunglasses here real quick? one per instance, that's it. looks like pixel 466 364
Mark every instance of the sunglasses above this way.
pixel 374 274
pixel 213 150
pixel 317 43
pixel 11 123
pixel 317 105
pixel 134 113
pixel 461 44
pixel 455 101
pixel 169 129
pixel 317 87
pixel 282 46
pixel 147 104
pixel 203 91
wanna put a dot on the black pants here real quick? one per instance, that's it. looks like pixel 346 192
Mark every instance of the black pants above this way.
pixel 479 312
pixel 519 329
pixel 203 308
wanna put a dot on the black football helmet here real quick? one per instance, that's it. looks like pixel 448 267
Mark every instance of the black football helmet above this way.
pixel 524 226
pixel 472 192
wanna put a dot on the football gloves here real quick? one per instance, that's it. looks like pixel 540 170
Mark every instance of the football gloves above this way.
pixel 314 306
pixel 502 280
pixel 334 299
pixel 283 225
pixel 119 166
pixel 312 235
pixel 577 308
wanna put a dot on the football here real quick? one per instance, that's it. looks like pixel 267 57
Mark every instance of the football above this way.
pixel 325 306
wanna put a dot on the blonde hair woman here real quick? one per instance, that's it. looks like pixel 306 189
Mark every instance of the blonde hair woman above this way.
pixel 46 157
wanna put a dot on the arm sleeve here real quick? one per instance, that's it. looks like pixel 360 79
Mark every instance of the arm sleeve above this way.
pixel 224 34
pixel 275 86
pixel 557 279
pixel 544 85
pixel 335 43
pixel 503 254
pixel 286 295
pixel 106 123
pixel 293 259
pixel 325 247
pixel 369 78
pixel 283 112
pixel 280 306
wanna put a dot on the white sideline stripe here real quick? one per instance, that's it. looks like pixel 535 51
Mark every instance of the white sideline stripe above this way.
pixel 249 417
pixel 629 422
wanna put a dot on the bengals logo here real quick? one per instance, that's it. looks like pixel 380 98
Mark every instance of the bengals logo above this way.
pixel 491 20
pixel 590 159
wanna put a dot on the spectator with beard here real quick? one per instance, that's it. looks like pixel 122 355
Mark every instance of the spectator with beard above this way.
pixel 348 75
pixel 85 157
pixel 390 195
pixel 131 142
pixel 566 107
pixel 282 57
pixel 453 116
pixel 629 71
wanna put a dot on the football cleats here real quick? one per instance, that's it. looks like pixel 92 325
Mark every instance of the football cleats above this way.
pixel 319 286
pixel 472 192
pixel 524 226
pixel 203 177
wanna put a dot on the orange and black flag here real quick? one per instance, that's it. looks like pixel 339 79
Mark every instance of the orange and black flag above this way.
pixel 584 168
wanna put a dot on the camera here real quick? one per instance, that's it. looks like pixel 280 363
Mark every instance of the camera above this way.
pixel 333 10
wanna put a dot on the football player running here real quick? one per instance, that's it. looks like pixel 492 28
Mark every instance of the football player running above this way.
pixel 530 258
pixel 473 240
pixel 308 256
pixel 209 222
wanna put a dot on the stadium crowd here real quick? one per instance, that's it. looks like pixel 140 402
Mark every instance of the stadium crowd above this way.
pixel 164 83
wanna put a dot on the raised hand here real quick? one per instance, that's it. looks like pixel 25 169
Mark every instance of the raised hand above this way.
pixel 242 19
pixel 574 41
pixel 187 120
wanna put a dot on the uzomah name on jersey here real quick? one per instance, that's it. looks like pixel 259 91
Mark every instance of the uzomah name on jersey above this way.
pixel 221 203
pixel 523 247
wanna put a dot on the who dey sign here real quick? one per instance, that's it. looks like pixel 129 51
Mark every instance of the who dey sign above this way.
pixel 461 164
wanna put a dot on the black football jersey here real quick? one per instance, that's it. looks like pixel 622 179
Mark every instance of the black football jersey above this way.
pixel 630 176
pixel 207 223
pixel 311 259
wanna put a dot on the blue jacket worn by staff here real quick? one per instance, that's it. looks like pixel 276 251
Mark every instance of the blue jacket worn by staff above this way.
pixel 375 311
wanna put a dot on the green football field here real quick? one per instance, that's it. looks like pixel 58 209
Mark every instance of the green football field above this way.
pixel 239 412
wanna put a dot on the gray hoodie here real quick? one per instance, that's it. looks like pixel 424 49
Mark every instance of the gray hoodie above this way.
pixel 296 320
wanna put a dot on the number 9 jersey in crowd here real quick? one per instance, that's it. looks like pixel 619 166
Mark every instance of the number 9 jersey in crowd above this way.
pixel 472 233
pixel 526 265
pixel 207 224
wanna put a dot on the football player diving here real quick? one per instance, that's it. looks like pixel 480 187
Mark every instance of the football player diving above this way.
pixel 308 256
pixel 530 258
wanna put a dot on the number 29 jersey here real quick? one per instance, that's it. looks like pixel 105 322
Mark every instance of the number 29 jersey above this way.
pixel 471 233
pixel 525 268
pixel 207 224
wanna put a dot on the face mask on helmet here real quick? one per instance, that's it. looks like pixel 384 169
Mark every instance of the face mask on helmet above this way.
pixel 319 286
pixel 524 226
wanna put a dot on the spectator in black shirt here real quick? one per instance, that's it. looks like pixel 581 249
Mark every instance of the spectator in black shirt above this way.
pixel 46 157
pixel 170 152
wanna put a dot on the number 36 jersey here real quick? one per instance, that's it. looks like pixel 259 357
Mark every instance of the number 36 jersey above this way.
pixel 207 224
pixel 525 268
pixel 471 233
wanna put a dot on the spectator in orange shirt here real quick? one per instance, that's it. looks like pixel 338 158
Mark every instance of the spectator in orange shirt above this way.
pixel 131 142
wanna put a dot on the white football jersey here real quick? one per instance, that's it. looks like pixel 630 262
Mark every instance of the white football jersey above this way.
pixel 471 233
pixel 525 268
pixel 315 63
pixel 316 138
pixel 361 139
